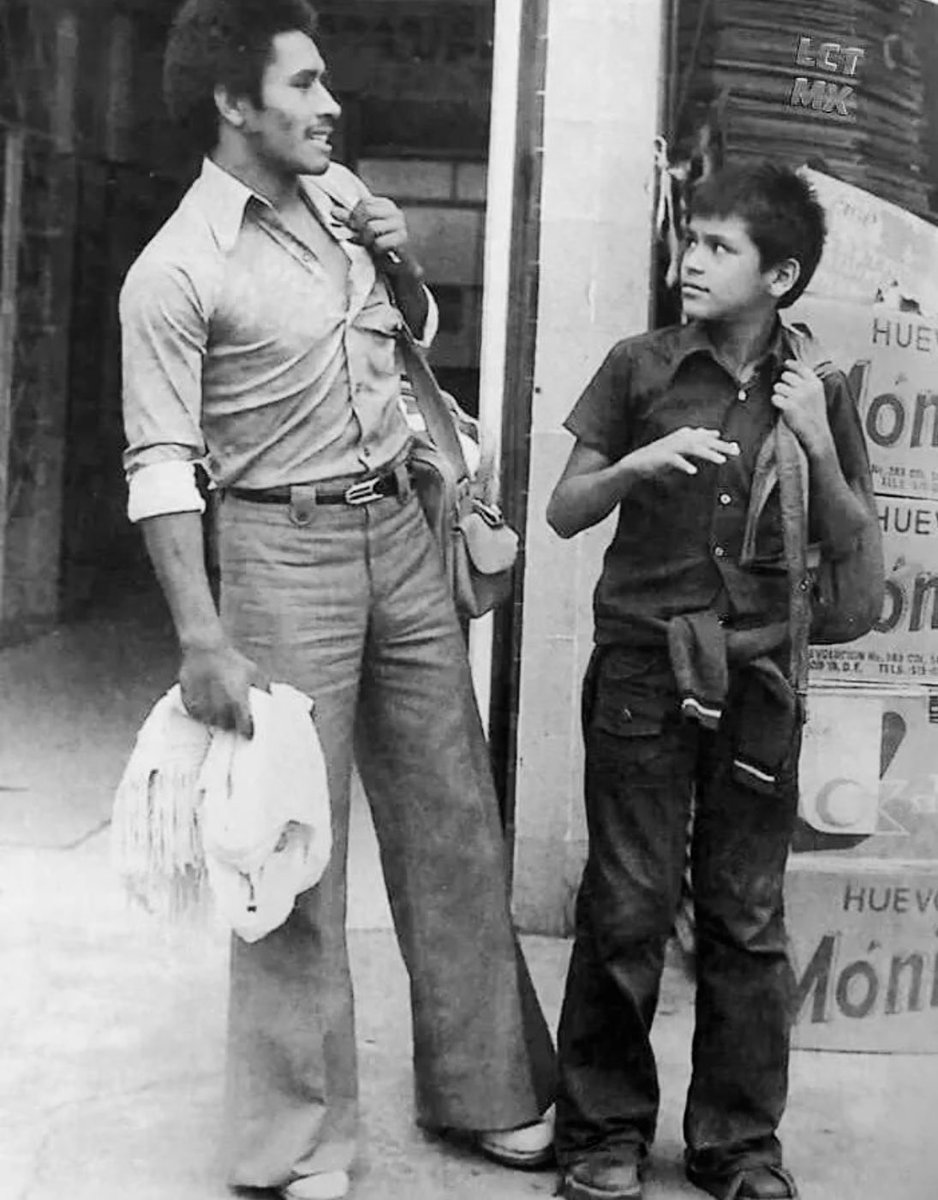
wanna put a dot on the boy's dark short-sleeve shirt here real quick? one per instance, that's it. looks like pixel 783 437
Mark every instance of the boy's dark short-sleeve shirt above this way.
pixel 677 543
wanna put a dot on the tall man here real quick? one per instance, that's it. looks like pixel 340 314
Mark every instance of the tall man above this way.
pixel 259 340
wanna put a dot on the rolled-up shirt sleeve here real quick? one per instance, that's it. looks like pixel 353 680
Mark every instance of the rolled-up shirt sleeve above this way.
pixel 163 487
pixel 164 334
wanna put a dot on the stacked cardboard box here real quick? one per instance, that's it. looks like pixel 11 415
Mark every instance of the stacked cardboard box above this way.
pixel 862 914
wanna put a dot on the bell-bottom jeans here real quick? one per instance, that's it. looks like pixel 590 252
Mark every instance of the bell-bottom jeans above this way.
pixel 349 605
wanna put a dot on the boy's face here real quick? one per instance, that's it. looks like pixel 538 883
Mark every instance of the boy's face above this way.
pixel 291 132
pixel 721 270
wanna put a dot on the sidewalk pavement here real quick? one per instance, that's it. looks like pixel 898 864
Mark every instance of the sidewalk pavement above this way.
pixel 113 1028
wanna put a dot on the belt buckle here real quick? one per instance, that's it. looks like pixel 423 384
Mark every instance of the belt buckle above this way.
pixel 363 492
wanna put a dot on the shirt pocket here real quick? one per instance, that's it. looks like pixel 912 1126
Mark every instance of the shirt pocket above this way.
pixel 380 317
pixel 378 326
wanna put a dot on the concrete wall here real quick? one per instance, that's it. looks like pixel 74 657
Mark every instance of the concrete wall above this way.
pixel 600 119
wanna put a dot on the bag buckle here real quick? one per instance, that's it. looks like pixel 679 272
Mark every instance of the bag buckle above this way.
pixel 363 492
pixel 490 513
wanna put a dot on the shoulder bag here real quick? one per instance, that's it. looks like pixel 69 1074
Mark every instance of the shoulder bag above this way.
pixel 479 549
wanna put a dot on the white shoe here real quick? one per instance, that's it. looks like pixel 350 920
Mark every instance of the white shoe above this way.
pixel 326 1185
pixel 529 1146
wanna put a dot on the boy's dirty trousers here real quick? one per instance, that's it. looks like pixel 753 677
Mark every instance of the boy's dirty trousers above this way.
pixel 352 608
pixel 643 763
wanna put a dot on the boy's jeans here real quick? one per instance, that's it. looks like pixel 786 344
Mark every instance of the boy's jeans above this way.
pixel 643 765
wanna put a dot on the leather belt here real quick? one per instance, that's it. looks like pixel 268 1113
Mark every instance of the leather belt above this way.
pixel 362 491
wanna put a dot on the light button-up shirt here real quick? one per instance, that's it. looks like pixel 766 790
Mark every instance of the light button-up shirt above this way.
pixel 242 352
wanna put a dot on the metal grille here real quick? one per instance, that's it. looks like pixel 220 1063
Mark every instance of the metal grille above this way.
pixel 42 302
pixel 27 64
pixel 738 73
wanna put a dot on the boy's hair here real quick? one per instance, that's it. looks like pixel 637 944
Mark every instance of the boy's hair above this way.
pixel 223 43
pixel 781 211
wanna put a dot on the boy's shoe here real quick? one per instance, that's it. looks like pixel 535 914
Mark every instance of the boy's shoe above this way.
pixel 527 1148
pixel 326 1185
pixel 763 1182
pixel 604 1175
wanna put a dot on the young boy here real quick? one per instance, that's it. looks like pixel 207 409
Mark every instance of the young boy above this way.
pixel 686 696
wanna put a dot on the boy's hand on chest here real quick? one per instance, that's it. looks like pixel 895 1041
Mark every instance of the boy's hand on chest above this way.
pixel 682 450
pixel 799 396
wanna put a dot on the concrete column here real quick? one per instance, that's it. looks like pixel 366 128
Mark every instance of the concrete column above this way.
pixel 601 115
pixel 32 551
pixel 66 74
pixel 11 232
pixel 499 208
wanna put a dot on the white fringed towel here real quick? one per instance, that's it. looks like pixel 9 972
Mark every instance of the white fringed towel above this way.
pixel 204 811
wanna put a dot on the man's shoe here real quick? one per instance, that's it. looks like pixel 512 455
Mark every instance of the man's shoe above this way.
pixel 527 1148
pixel 605 1175
pixel 767 1182
pixel 326 1185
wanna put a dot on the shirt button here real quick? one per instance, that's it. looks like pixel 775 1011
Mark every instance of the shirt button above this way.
pixel 726 498
pixel 366 453
pixel 719 552
pixel 741 394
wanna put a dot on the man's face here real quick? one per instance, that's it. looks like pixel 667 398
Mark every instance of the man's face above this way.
pixel 291 132
pixel 721 270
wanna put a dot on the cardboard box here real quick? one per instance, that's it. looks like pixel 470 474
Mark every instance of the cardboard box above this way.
pixel 903 645
pixel 891 360
pixel 840 761
pixel 869 767
pixel 865 953
pixel 863 921
pixel 873 245
pixel 889 352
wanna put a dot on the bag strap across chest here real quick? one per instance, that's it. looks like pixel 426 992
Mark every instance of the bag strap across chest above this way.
pixel 431 402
